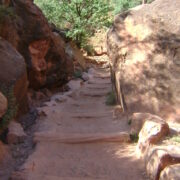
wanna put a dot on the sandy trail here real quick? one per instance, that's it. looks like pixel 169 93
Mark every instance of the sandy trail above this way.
pixel 78 139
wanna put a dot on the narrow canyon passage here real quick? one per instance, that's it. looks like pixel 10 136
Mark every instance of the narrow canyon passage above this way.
pixel 78 137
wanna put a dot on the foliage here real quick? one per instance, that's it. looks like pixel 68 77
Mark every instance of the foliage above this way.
pixel 78 74
pixel 129 121
pixel 111 99
pixel 6 11
pixel 12 107
pixel 134 137
pixel 89 49
pixel 52 11
pixel 81 17
pixel 176 138
pixel 123 5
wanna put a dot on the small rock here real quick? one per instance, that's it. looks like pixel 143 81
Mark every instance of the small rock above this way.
pixel 171 172
pixel 3 104
pixel 91 71
pixel 47 92
pixel 59 98
pixel 16 133
pixel 50 103
pixel 39 95
pixel 159 158
pixel 4 153
pixel 75 84
pixel 85 76
pixel 152 132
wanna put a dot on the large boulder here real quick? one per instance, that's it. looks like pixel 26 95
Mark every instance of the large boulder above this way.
pixel 13 75
pixel 3 105
pixel 29 32
pixel 144 50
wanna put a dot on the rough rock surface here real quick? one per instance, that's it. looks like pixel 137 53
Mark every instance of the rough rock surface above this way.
pixel 3 105
pixel 31 35
pixel 171 172
pixel 144 51
pixel 13 74
pixel 159 158
pixel 152 132
pixel 16 133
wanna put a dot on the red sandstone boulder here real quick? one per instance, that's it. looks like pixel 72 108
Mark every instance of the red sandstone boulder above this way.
pixel 43 52
pixel 13 74
pixel 152 132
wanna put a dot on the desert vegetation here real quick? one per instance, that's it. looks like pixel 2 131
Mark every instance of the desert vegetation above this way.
pixel 82 18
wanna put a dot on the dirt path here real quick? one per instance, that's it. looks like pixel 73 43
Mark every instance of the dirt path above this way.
pixel 78 139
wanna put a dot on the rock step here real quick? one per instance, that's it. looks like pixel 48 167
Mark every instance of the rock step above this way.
pixel 104 82
pixel 85 115
pixel 103 76
pixel 93 94
pixel 83 138
pixel 98 86
pixel 37 176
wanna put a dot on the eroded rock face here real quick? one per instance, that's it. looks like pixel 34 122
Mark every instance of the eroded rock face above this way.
pixel 31 35
pixel 144 51
pixel 13 74
pixel 3 105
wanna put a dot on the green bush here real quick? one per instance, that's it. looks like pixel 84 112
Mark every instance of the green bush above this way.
pixel 111 99
pixel 89 49
pixel 134 137
pixel 175 138
pixel 123 5
pixel 81 17
pixel 78 74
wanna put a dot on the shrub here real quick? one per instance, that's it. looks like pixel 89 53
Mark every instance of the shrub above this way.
pixel 81 17
pixel 89 49
pixel 123 5
pixel 111 99
pixel 78 74
pixel 134 137
pixel 175 138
